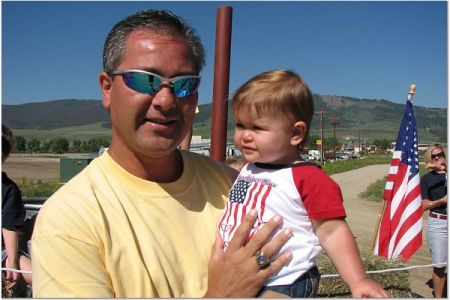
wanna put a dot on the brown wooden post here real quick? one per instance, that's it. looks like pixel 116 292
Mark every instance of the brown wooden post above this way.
pixel 221 83
pixel 334 122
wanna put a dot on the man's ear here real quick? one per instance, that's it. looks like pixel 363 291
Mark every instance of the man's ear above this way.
pixel 105 85
pixel 298 133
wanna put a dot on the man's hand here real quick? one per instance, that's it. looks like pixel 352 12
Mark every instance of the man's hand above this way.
pixel 235 272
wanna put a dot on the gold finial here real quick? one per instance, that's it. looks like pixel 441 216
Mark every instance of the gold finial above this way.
pixel 412 89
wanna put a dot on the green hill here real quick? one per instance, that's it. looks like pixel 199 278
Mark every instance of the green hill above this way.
pixel 366 118
pixel 369 119
pixel 54 114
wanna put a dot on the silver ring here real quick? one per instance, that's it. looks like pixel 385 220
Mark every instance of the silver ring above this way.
pixel 262 260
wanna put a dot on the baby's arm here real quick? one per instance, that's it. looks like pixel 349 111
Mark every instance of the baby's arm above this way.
pixel 340 245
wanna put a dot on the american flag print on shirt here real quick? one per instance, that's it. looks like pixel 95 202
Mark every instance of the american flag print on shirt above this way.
pixel 247 193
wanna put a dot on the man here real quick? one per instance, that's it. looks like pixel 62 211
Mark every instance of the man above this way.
pixel 141 219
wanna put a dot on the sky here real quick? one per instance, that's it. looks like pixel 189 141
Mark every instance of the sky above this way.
pixel 368 50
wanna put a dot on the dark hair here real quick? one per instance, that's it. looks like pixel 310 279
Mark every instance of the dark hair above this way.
pixel 276 91
pixel 7 142
pixel 159 21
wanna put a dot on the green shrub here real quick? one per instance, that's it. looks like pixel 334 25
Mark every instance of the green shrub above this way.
pixel 374 192
pixel 37 187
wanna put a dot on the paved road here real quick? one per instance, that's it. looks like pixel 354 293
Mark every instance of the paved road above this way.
pixel 362 217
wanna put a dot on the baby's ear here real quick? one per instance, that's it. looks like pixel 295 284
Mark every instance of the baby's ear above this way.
pixel 298 133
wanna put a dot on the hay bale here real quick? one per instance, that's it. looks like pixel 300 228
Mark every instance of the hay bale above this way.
pixel 5 292
pixel 396 283
pixel 20 290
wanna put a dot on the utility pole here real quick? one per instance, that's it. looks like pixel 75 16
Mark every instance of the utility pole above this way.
pixel 321 116
pixel 359 138
pixel 335 122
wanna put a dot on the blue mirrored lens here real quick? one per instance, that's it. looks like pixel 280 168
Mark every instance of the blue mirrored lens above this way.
pixel 142 83
pixel 150 84
pixel 185 86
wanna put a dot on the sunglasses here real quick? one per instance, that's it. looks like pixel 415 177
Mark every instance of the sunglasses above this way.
pixel 150 83
pixel 437 155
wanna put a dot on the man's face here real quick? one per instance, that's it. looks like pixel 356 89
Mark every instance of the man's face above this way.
pixel 150 125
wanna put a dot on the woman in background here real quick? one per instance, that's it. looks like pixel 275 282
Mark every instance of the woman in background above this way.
pixel 434 198
pixel 13 219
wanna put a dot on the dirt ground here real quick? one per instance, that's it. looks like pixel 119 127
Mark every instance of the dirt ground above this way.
pixel 362 218
pixel 362 214
pixel 44 168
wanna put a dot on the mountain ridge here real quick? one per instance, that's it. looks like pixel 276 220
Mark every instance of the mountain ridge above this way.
pixel 348 112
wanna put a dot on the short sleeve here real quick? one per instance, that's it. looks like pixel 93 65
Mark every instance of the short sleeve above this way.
pixel 424 190
pixel 321 195
pixel 13 213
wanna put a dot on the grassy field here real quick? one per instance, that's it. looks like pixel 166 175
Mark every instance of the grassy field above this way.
pixel 368 133
pixel 85 132
pixel 35 187
pixel 365 135
pixel 347 165
pixel 96 130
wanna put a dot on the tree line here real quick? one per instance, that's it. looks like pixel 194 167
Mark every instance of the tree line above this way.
pixel 59 145
pixel 329 143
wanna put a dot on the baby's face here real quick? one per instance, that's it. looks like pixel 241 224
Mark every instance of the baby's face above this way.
pixel 265 137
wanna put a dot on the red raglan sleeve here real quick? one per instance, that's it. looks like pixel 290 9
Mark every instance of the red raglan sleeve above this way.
pixel 320 194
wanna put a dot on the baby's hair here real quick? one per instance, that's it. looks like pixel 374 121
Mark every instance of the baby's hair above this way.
pixel 277 91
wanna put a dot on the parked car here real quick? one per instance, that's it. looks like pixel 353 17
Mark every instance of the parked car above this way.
pixel 313 155
pixel 342 155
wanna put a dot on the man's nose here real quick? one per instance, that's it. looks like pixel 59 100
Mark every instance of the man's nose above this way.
pixel 164 99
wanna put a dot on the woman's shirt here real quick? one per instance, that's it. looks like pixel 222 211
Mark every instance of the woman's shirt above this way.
pixel 433 187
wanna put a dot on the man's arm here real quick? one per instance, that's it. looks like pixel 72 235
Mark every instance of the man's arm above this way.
pixel 68 260
pixel 337 239
pixel 66 267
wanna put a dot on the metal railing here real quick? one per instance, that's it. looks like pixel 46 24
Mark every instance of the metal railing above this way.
pixel 33 203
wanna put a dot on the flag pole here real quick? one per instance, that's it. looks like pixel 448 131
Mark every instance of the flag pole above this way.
pixel 411 92
pixel 377 227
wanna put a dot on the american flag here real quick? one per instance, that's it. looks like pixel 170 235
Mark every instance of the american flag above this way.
pixel 244 196
pixel 400 230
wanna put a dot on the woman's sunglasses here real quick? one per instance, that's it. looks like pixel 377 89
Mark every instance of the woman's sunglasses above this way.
pixel 437 155
pixel 150 83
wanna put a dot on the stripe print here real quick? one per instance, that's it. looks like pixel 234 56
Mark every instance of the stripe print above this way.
pixel 400 231
pixel 244 196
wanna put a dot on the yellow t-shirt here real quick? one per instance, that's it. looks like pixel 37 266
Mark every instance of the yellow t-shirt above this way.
pixel 107 233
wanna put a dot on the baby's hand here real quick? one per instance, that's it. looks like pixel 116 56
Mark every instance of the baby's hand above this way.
pixel 367 288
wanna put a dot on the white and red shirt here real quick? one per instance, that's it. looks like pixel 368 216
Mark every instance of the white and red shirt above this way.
pixel 300 193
